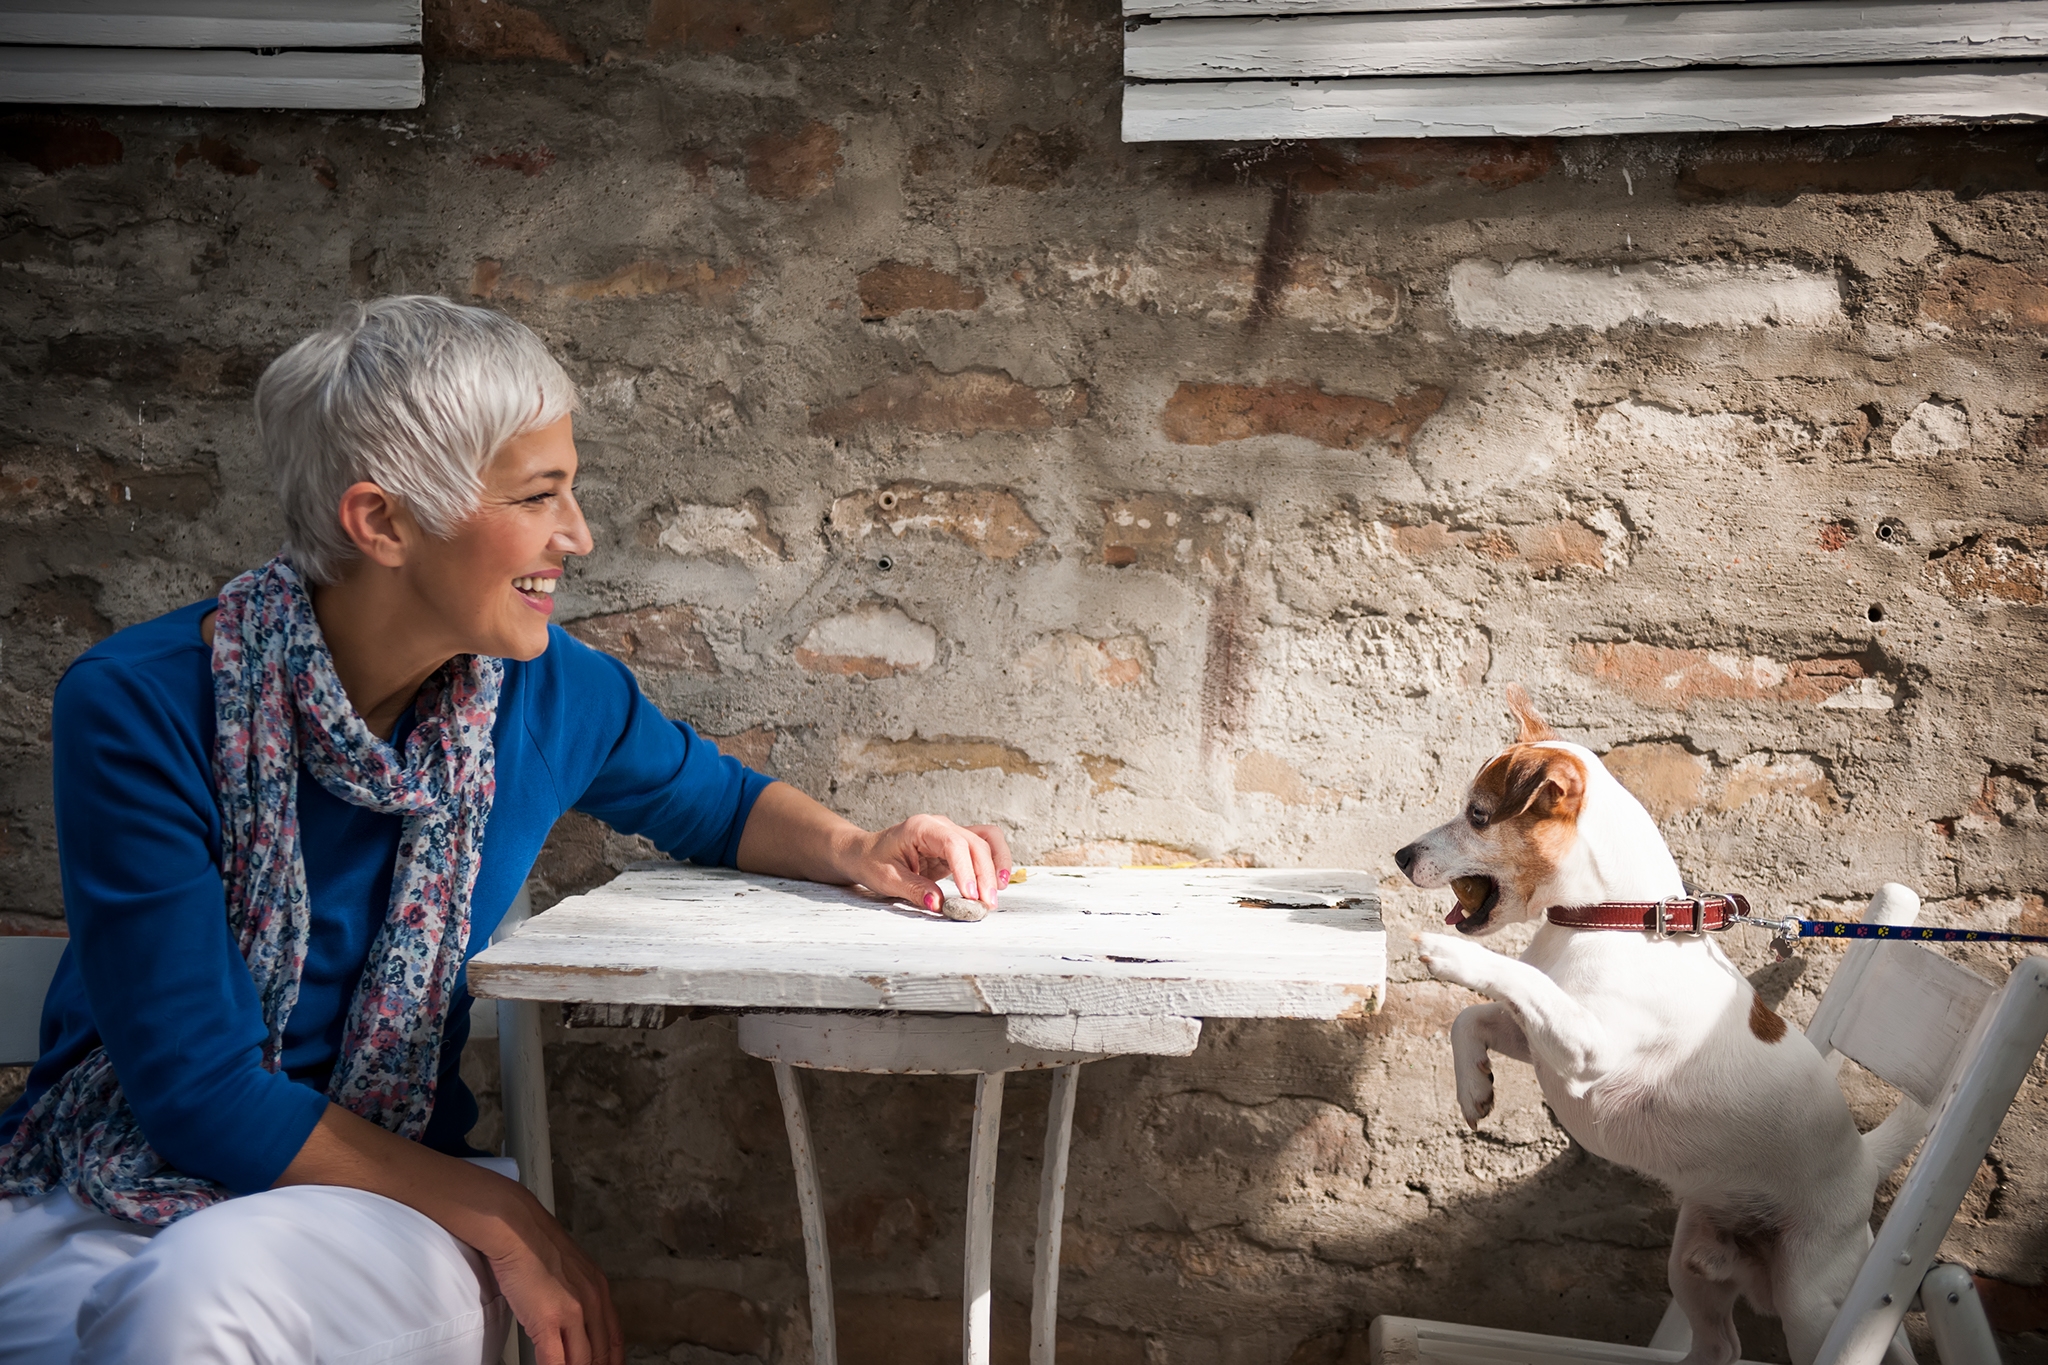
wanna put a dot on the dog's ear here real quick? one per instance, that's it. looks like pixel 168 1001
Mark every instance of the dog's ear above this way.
pixel 1530 728
pixel 1546 783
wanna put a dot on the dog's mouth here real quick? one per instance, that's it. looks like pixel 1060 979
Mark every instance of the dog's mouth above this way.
pixel 1476 898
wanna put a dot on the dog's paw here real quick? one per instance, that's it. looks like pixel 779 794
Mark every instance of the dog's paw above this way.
pixel 1475 1091
pixel 1454 960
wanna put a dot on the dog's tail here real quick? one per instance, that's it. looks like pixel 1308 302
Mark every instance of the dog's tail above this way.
pixel 1892 1141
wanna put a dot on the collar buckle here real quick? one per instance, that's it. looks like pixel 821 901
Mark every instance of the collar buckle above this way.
pixel 1660 922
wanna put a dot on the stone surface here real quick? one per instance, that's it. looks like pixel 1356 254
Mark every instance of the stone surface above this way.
pixel 1761 516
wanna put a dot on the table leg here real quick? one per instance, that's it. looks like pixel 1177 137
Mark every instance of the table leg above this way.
pixel 1052 1208
pixel 817 1257
pixel 981 1213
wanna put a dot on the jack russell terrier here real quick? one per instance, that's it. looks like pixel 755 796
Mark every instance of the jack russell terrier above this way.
pixel 1651 1048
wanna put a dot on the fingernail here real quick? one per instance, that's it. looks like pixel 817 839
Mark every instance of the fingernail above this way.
pixel 967 890
pixel 1003 878
pixel 931 900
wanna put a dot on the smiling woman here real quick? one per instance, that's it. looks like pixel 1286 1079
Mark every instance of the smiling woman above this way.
pixel 284 817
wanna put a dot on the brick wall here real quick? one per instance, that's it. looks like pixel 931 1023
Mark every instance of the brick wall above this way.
pixel 1164 503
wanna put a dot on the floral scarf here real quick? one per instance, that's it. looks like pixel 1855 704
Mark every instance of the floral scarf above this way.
pixel 278 704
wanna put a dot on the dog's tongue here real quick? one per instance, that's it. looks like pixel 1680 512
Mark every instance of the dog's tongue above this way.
pixel 1457 915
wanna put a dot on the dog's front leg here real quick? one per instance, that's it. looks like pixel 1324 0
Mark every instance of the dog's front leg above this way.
pixel 1562 1034
pixel 1474 1033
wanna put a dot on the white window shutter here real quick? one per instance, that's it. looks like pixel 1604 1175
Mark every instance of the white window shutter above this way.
pixel 1255 69
pixel 221 54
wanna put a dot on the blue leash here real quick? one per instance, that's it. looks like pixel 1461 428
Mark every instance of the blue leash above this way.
pixel 1791 927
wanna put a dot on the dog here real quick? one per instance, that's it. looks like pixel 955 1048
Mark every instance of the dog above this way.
pixel 1653 1051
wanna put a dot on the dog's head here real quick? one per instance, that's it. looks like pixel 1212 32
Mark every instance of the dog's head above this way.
pixel 1519 825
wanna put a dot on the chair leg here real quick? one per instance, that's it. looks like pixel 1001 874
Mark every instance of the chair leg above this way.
pixel 811 1206
pixel 1673 1332
pixel 1052 1204
pixel 1955 1317
pixel 981 1215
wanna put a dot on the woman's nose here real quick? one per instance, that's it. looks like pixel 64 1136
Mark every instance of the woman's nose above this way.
pixel 573 536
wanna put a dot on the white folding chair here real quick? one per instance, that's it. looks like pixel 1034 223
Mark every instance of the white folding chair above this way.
pixel 26 966
pixel 1948 1039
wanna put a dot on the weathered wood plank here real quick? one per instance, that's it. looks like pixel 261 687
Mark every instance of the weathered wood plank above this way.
pixel 1205 943
pixel 213 80
pixel 211 23
pixel 1698 100
pixel 1611 38
pixel 1184 9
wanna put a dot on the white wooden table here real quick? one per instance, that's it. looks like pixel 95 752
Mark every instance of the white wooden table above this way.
pixel 1079 964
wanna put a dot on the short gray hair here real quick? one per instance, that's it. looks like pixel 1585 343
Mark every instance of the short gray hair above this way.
pixel 412 393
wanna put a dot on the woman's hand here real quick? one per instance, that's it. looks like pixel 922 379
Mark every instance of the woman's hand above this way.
pixel 558 1294
pixel 790 835
pixel 907 860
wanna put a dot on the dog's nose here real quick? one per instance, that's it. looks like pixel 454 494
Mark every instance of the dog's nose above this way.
pixel 1405 859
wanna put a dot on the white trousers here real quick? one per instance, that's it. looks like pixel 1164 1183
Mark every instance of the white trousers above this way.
pixel 306 1275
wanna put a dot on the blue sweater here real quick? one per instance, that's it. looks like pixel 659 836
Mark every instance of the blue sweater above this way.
pixel 152 970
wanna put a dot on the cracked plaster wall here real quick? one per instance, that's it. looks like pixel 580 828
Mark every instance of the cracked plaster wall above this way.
pixel 1163 503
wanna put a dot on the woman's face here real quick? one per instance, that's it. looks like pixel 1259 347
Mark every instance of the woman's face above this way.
pixel 492 582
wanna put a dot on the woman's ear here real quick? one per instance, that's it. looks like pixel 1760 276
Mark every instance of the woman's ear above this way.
pixel 376 524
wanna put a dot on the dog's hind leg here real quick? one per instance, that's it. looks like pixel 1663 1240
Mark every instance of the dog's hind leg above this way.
pixel 1705 1263
pixel 1810 1278
pixel 1477 1031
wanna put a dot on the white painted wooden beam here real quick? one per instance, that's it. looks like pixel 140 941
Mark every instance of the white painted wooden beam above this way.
pixel 1696 100
pixel 1587 38
pixel 211 23
pixel 214 80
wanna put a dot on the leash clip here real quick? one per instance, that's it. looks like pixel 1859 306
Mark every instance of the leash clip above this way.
pixel 1661 926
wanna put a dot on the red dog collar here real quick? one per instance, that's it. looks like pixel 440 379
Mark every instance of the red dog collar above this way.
pixel 1672 915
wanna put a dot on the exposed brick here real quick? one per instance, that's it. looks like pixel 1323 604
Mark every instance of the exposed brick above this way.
pixel 940 753
pixel 1678 677
pixel 1103 772
pixel 324 174
pixel 1975 293
pixel 528 161
pixel 57 142
pixel 39 486
pixel 1123 661
pixel 1209 414
pixel 657 638
pixel 150 360
pixel 875 1330
pixel 1755 776
pixel 1781 166
pixel 896 287
pixel 1162 531
pixel 2013 1308
pixel 962 404
pixel 1536 295
pixel 699 281
pixel 1833 535
pixel 741 533
pixel 796 166
pixel 2004 566
pixel 66 605
pixel 492 31
pixel 872 641
pixel 754 747
pixel 878 1225
pixel 1031 160
pixel 218 153
pixel 1558 545
pixel 1665 777
pixel 1276 777
pixel 659 1314
pixel 1373 164
pixel 990 520
pixel 721 25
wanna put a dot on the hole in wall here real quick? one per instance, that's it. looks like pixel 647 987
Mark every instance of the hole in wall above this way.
pixel 1876 612
pixel 885 564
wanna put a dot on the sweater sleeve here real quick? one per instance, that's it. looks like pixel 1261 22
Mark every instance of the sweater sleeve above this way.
pixel 656 777
pixel 138 835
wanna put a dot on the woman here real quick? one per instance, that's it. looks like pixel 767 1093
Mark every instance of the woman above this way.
pixel 283 817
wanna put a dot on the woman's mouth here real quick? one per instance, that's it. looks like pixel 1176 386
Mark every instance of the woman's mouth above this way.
pixel 537 591
pixel 1476 898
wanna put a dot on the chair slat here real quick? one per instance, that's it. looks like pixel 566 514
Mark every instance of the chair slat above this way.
pixel 26 966
pixel 1909 1016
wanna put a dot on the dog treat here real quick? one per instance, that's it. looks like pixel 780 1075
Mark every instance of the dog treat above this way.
pixel 961 908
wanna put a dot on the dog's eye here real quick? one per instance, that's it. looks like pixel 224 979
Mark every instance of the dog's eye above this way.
pixel 1476 816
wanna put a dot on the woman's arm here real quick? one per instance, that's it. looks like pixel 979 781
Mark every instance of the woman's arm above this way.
pixel 789 835
pixel 557 1293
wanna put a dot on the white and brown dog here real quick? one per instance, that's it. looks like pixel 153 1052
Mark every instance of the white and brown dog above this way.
pixel 1652 1050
